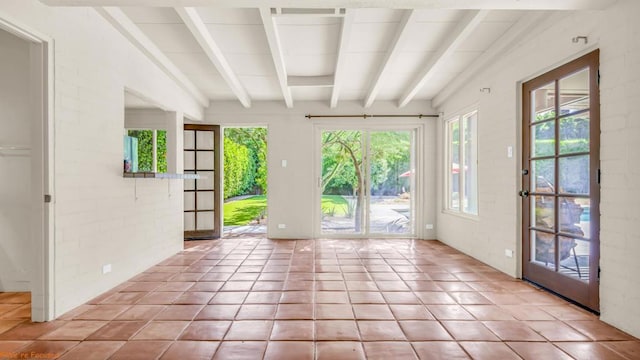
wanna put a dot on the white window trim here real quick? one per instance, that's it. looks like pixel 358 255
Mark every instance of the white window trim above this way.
pixel 460 117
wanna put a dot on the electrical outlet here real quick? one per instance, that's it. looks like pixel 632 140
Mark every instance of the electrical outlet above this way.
pixel 429 226
pixel 284 163
pixel 106 269
pixel 282 226
pixel 508 253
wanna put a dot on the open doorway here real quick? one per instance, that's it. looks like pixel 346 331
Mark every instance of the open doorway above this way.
pixel 245 181
pixel 25 165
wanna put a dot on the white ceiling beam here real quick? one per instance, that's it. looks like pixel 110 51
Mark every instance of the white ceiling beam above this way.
pixel 132 32
pixel 311 12
pixel 345 35
pixel 511 37
pixel 276 53
pixel 400 37
pixel 199 30
pixel 466 26
pixel 386 4
pixel 310 81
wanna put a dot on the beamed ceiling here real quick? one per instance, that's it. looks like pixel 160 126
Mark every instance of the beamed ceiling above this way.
pixel 332 51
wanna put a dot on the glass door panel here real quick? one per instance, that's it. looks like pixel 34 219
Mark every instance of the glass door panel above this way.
pixel 200 196
pixel 390 182
pixel 368 178
pixel 342 182
pixel 560 181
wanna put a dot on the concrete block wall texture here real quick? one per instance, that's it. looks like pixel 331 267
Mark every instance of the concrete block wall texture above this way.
pixel 98 219
pixel 614 31
pixel 15 166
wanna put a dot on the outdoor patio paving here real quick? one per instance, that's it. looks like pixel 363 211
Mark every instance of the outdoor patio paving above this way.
pixel 251 298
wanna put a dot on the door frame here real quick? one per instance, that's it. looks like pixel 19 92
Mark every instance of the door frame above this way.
pixel 216 232
pixel 562 285
pixel 221 172
pixel 373 125
pixel 42 168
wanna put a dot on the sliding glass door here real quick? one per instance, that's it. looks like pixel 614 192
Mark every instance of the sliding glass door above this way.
pixel 367 178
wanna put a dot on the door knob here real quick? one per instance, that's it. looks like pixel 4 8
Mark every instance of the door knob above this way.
pixel 524 193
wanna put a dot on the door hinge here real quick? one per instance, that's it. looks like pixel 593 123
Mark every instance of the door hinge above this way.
pixel 47 198
pixel 599 273
pixel 598 78
pixel 599 176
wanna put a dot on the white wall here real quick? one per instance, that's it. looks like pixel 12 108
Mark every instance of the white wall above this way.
pixel 145 119
pixel 98 219
pixel 15 166
pixel 615 31
pixel 291 137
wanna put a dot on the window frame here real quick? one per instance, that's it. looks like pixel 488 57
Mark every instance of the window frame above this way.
pixel 154 149
pixel 461 119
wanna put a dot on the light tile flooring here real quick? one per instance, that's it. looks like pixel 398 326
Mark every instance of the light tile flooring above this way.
pixel 323 299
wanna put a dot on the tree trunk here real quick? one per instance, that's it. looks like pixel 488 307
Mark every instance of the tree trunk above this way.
pixel 358 214
pixel 360 186
pixel 359 200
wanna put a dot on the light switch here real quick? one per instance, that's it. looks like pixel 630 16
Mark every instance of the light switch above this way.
pixel 509 152
pixel 106 268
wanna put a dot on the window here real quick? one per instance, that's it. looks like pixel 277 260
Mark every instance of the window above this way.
pixel 148 150
pixel 462 164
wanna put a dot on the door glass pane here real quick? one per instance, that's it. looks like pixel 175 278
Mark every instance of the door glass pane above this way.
pixel 205 160
pixel 206 180
pixel 391 176
pixel 470 164
pixel 543 248
pixel 543 212
pixel 205 200
pixel 454 165
pixel 575 216
pixel 574 175
pixel 574 258
pixel 543 141
pixel 189 201
pixel 342 182
pixel 543 172
pixel 205 140
pixel 189 221
pixel 574 92
pixel 543 103
pixel 574 134
pixel 189 136
pixel 189 160
pixel 205 220
pixel 189 184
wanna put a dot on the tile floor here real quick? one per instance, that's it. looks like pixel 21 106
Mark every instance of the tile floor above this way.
pixel 322 299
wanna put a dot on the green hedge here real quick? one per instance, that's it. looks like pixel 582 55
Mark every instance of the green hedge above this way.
pixel 547 146
pixel 145 149
pixel 238 169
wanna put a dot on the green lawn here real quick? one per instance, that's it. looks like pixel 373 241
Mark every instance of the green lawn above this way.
pixel 242 212
pixel 334 203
